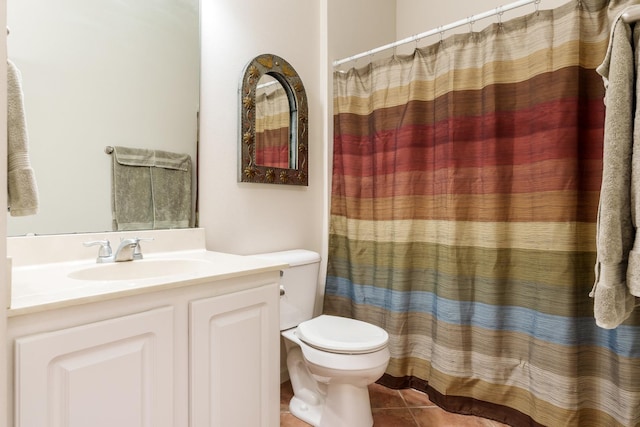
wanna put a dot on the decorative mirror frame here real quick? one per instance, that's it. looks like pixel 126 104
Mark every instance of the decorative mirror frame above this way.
pixel 286 75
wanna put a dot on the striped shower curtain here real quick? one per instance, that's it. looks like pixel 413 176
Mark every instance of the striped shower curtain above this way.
pixel 464 199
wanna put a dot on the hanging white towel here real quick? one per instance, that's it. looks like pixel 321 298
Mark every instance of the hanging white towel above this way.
pixel 21 182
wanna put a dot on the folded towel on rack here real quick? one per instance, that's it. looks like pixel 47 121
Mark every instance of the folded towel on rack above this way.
pixel 21 181
pixel 616 224
pixel 151 189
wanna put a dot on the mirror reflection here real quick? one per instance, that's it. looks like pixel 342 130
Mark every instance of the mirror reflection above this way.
pixel 98 74
pixel 273 120
pixel 273 123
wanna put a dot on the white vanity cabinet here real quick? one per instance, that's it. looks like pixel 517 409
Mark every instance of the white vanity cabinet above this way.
pixel 194 354
pixel 234 356
pixel 117 372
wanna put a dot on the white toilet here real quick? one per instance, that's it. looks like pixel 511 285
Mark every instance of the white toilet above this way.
pixel 331 360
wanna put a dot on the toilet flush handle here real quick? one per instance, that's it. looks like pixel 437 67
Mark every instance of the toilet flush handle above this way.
pixel 281 286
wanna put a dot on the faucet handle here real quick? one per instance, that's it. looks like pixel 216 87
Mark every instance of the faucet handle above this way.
pixel 105 248
pixel 137 251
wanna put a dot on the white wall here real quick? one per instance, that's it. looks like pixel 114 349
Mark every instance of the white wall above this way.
pixel 417 16
pixel 249 218
pixel 4 271
pixel 355 26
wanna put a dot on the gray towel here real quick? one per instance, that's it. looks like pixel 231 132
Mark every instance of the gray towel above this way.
pixel 633 266
pixel 151 189
pixel 21 181
pixel 613 303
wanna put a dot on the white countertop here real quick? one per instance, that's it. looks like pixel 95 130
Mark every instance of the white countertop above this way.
pixel 38 285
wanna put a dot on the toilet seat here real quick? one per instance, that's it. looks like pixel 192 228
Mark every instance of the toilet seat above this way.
pixel 342 335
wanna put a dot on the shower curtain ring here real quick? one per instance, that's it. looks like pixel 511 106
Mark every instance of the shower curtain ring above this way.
pixel 441 31
pixel 499 13
pixel 471 20
pixel 537 5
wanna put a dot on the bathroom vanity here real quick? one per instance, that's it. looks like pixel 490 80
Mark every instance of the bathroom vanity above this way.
pixel 158 347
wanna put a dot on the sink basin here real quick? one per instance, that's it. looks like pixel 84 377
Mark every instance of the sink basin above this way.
pixel 141 269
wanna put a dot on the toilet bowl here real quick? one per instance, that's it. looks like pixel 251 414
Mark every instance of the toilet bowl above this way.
pixel 331 360
pixel 330 382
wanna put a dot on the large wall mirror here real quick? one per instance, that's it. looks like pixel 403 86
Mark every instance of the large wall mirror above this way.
pixel 98 74
pixel 273 123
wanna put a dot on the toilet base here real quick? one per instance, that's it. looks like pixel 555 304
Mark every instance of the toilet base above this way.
pixel 346 406
pixel 308 413
pixel 308 399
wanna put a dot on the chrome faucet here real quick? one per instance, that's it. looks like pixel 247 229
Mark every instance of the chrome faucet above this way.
pixel 128 250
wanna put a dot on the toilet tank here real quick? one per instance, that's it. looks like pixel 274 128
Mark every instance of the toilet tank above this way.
pixel 299 283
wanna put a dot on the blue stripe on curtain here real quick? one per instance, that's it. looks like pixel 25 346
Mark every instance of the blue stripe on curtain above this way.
pixel 554 329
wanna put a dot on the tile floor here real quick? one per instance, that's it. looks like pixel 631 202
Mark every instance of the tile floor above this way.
pixel 395 408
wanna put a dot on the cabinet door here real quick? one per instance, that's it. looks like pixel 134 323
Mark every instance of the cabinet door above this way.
pixel 117 372
pixel 235 353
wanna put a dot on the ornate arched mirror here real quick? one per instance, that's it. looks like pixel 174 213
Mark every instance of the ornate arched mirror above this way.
pixel 273 123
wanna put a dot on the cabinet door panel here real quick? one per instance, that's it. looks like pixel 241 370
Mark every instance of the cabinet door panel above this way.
pixel 235 354
pixel 117 372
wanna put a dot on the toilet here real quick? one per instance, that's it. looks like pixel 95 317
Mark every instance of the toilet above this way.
pixel 331 360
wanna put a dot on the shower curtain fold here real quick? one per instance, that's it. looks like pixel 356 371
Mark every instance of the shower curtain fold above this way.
pixel 464 201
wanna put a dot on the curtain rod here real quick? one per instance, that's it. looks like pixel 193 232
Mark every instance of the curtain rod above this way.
pixel 467 21
pixel 631 14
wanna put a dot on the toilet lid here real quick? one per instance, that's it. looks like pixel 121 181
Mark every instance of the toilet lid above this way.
pixel 342 335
